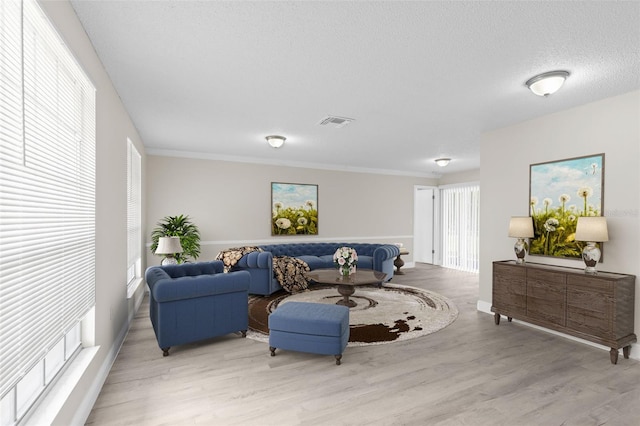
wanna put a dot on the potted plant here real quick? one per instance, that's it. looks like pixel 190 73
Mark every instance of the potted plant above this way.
pixel 178 226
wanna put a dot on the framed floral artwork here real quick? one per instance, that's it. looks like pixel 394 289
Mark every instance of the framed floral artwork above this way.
pixel 559 193
pixel 294 209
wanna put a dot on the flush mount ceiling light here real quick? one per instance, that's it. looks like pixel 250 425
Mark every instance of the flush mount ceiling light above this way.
pixel 276 141
pixel 442 162
pixel 547 83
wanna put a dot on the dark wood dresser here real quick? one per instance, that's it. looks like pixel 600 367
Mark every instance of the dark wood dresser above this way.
pixel 598 308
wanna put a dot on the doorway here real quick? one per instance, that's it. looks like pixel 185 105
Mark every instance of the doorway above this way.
pixel 424 219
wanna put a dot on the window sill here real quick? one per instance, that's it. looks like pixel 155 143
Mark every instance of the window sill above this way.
pixel 133 287
pixel 47 410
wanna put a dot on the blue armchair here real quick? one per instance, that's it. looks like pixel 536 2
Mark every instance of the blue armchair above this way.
pixel 196 301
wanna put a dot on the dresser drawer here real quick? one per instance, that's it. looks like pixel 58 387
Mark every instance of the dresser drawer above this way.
pixel 509 290
pixel 590 283
pixel 546 297
pixel 590 307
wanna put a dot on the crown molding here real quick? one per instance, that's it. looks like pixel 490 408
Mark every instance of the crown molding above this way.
pixel 304 165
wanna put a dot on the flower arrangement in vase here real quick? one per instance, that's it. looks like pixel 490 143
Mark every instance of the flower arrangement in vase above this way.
pixel 346 259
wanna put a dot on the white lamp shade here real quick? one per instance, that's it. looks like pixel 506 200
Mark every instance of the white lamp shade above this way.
pixel 521 227
pixel 442 162
pixel 547 83
pixel 169 245
pixel 592 228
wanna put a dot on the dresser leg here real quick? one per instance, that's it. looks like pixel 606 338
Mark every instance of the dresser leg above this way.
pixel 496 318
pixel 613 354
pixel 626 350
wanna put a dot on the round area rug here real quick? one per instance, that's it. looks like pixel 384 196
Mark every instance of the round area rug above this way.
pixel 388 314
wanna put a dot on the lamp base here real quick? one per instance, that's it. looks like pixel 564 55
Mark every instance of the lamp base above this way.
pixel 591 255
pixel 169 260
pixel 520 248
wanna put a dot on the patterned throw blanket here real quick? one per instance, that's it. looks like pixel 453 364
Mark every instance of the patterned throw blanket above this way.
pixel 231 256
pixel 290 272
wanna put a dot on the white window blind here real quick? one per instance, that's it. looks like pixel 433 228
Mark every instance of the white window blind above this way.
pixel 47 197
pixel 134 213
pixel 460 227
pixel 10 82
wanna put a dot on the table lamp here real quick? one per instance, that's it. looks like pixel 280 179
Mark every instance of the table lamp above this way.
pixel 169 246
pixel 521 227
pixel 592 229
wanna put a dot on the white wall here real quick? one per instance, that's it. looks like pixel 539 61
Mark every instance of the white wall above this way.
pixel 610 126
pixel 113 125
pixel 460 177
pixel 231 202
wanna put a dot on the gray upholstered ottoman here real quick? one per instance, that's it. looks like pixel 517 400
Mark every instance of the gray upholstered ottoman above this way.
pixel 309 327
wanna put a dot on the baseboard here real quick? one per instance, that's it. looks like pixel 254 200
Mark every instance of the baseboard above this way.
pixel 485 307
pixel 409 265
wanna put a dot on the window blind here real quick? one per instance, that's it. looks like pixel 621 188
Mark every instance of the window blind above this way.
pixel 11 82
pixel 134 212
pixel 47 190
pixel 461 227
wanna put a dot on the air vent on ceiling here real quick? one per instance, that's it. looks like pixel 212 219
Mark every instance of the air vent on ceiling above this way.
pixel 335 121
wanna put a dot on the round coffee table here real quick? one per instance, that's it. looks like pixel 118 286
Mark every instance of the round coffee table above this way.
pixel 347 285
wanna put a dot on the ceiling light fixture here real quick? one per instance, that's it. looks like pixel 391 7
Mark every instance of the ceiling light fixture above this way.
pixel 276 141
pixel 547 83
pixel 442 162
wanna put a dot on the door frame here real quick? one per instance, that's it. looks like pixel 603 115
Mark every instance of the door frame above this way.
pixel 436 241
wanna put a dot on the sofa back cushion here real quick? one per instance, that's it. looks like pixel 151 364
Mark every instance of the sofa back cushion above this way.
pixel 193 269
pixel 317 249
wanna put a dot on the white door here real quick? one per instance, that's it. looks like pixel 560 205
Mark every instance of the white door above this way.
pixel 423 221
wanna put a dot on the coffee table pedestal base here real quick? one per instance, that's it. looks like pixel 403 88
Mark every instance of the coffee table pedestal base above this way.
pixel 346 291
pixel 347 284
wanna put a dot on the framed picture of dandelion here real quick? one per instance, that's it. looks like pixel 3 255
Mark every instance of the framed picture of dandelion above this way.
pixel 559 193
pixel 294 209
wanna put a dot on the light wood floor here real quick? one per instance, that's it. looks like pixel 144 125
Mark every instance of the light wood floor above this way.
pixel 470 373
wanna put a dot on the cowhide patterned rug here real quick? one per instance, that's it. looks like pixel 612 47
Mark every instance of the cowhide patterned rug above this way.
pixel 388 314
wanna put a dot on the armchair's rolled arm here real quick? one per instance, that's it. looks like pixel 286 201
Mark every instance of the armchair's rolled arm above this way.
pixel 256 259
pixel 189 287
pixel 155 274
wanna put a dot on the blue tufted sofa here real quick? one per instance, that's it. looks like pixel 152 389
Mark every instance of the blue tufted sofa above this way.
pixel 196 301
pixel 317 255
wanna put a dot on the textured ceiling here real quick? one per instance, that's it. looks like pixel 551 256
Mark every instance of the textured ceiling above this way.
pixel 421 79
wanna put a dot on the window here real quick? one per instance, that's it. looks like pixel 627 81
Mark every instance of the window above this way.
pixel 47 205
pixel 134 215
pixel 461 227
